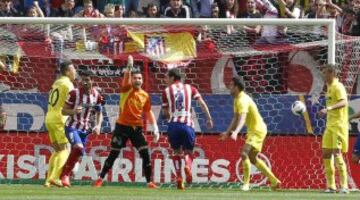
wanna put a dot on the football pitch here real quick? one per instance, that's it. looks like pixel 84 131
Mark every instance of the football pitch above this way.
pixel 86 192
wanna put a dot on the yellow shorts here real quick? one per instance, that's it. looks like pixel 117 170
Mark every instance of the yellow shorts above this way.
pixel 56 133
pixel 255 140
pixel 336 138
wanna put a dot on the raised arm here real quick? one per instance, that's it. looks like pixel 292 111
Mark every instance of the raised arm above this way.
pixel 126 82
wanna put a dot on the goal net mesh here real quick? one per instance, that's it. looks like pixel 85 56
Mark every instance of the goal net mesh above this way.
pixel 278 64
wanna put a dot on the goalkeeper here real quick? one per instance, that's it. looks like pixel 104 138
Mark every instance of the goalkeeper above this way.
pixel 134 102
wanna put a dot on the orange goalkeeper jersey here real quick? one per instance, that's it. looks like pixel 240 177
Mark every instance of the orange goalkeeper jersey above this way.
pixel 133 102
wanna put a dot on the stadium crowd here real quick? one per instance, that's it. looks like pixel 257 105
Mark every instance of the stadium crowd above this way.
pixel 346 12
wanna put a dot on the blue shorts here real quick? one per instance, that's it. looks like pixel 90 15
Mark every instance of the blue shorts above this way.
pixel 356 150
pixel 181 135
pixel 76 136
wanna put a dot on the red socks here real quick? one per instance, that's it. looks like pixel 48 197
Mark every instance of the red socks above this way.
pixel 74 156
pixel 177 163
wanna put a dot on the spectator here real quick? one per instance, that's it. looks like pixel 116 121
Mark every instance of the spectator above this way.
pixel 323 8
pixel 321 11
pixel 102 3
pixel 7 9
pixel 177 10
pixel 345 21
pixel 67 9
pixel 29 3
pixel 355 29
pixel 288 9
pixel 311 11
pixel 252 12
pixel 133 14
pixel 231 9
pixel 201 8
pixel 163 5
pixel 47 8
pixel 119 11
pixel 35 11
pixel 215 10
pixel 109 10
pixel 131 6
pixel 269 34
pixel 151 11
pixel 89 10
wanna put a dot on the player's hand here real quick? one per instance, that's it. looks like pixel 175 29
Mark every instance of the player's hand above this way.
pixel 36 3
pixel 209 124
pixel 96 130
pixel 322 112
pixel 78 110
pixel 130 63
pixel 156 137
pixel 156 134
pixel 2 120
pixel 223 136
pixel 233 136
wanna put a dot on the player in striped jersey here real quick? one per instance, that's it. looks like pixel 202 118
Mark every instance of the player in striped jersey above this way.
pixel 82 104
pixel 176 100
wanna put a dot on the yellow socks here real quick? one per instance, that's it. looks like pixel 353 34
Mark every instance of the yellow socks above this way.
pixel 246 170
pixel 50 173
pixel 60 161
pixel 330 173
pixel 341 166
pixel 266 171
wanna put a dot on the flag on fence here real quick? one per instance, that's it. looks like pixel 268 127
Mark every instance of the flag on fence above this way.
pixel 163 47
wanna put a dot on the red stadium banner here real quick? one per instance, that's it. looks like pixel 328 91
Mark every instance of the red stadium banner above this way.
pixel 296 160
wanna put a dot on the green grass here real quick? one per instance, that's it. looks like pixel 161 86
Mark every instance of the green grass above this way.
pixel 140 192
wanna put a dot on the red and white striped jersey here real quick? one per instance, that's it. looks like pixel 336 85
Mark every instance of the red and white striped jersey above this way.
pixel 78 97
pixel 177 98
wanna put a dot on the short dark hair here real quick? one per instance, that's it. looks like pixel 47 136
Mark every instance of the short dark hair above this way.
pixel 333 68
pixel 64 66
pixel 136 70
pixel 239 83
pixel 86 73
pixel 175 73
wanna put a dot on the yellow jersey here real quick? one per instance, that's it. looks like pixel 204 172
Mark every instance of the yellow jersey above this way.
pixel 57 97
pixel 337 117
pixel 254 122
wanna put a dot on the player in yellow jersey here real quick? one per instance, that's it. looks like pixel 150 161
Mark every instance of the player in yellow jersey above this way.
pixel 55 122
pixel 246 113
pixel 336 137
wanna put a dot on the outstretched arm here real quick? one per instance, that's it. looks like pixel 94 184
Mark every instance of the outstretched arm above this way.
pixel 235 126
pixel 205 109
